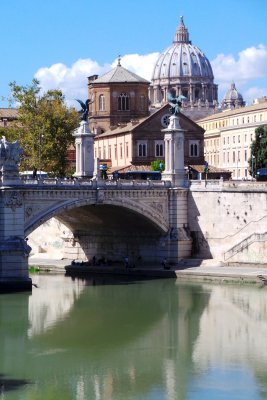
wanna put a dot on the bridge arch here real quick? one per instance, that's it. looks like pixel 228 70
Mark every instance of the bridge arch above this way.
pixel 154 215
pixel 111 228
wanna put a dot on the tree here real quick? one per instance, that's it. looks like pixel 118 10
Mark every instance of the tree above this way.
pixel 157 165
pixel 258 150
pixel 44 128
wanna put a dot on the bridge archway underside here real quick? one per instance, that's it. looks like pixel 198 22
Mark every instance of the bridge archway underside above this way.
pixel 104 223
pixel 41 205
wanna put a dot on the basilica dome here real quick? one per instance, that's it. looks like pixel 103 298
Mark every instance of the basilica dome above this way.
pixel 182 59
pixel 232 98
pixel 183 69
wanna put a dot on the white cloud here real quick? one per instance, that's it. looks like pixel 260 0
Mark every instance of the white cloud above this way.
pixel 141 65
pixel 73 80
pixel 254 92
pixel 250 64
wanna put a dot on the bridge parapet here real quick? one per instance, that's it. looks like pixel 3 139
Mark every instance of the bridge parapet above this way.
pixel 94 184
pixel 221 185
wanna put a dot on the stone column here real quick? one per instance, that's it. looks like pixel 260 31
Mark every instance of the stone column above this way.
pixel 174 153
pixel 178 242
pixel 84 142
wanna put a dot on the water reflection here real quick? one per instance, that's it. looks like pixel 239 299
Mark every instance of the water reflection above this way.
pixel 233 331
pixel 51 300
pixel 147 340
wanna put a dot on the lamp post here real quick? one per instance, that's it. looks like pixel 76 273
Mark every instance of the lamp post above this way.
pixel 252 165
pixel 41 136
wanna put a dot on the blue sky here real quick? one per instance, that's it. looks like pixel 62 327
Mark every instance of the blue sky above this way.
pixel 61 42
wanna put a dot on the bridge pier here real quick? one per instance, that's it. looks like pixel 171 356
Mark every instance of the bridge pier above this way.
pixel 178 243
pixel 14 250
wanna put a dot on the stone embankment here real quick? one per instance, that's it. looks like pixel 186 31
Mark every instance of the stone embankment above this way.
pixel 187 270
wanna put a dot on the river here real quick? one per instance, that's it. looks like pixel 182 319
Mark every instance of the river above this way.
pixel 149 340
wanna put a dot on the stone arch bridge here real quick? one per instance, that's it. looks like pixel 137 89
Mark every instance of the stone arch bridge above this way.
pixel 142 220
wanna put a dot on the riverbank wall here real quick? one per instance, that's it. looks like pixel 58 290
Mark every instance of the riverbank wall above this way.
pixel 228 221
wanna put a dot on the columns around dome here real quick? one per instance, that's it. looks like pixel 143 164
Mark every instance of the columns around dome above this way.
pixel 197 94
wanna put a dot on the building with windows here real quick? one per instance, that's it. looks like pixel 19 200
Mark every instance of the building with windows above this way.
pixel 137 143
pixel 183 69
pixel 126 132
pixel 229 134
pixel 116 98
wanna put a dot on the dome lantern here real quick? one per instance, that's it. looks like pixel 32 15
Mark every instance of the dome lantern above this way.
pixel 181 34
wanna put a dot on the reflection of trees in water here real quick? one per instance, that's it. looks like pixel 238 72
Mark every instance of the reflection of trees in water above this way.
pixel 233 330
pixel 115 341
pixel 127 341
pixel 141 334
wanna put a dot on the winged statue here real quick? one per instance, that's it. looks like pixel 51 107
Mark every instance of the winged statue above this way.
pixel 175 103
pixel 85 109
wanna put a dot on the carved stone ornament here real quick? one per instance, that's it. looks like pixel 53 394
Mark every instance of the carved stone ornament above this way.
pixel 28 212
pixel 157 206
pixel 10 153
pixel 13 200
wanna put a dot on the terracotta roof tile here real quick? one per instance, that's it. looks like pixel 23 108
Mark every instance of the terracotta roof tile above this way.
pixel 9 113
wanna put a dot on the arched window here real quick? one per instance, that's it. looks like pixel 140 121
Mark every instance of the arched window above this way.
pixel 101 102
pixel 159 148
pixel 142 148
pixel 123 102
pixel 194 148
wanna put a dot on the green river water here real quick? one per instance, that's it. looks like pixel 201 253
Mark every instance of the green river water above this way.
pixel 157 340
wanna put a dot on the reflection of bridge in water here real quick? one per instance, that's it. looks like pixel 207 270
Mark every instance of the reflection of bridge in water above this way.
pixel 112 339
pixel 140 335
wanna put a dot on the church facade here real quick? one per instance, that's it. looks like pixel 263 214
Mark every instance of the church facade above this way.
pixel 139 142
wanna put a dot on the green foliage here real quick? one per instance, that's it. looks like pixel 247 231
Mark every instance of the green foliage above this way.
pixel 157 165
pixel 33 269
pixel 258 150
pixel 44 128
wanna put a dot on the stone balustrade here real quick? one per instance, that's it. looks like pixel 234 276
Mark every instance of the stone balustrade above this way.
pixel 100 183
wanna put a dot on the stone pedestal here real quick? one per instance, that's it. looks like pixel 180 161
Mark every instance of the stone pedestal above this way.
pixel 178 242
pixel 174 153
pixel 84 143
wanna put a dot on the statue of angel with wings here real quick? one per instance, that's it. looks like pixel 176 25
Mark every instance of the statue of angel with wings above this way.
pixel 175 103
pixel 85 109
